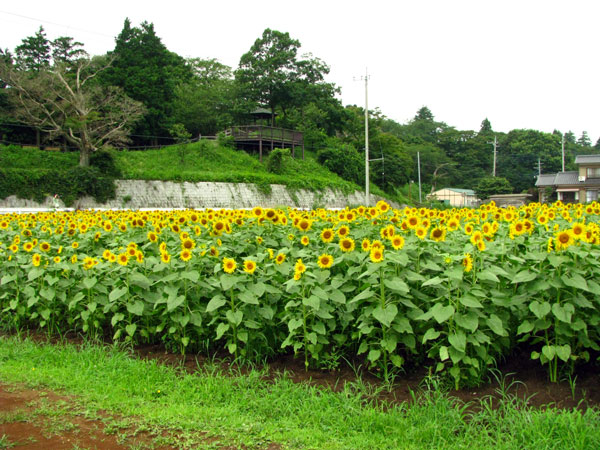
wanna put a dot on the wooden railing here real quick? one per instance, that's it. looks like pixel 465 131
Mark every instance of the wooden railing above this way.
pixel 265 133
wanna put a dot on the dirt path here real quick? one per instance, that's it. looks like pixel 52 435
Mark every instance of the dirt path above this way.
pixel 41 419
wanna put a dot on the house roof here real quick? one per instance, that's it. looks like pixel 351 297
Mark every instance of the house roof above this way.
pixel 571 177
pixel 546 179
pixel 565 179
pixel 462 191
pixel 587 159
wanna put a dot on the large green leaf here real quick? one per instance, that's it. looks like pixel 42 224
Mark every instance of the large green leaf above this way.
pixel 442 313
pixel 174 302
pixel 468 321
pixel 89 282
pixel 524 276
pixel 136 308
pixel 312 301
pixel 470 301
pixel 141 280
pixel 385 315
pixel 488 275
pixel 430 334
pixel 564 313
pixel 397 285
pixel 248 297
pixel 117 293
pixel 573 279
pixel 235 317
pixel 294 324
pixel 130 329
pixel 215 303
pixel 496 325
pixel 541 310
pixel 458 340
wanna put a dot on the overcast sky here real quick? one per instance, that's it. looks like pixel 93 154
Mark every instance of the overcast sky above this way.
pixel 520 63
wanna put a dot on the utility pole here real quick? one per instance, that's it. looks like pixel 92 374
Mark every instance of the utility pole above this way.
pixel 419 171
pixel 495 143
pixel 563 152
pixel 366 137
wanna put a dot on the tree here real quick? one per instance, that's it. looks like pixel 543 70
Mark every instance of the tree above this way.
pixel 396 167
pixel 66 101
pixel 148 72
pixel 343 160
pixel 270 73
pixel 519 153
pixel 492 185
pixel 34 52
pixel 486 126
pixel 205 102
pixel 584 140
pixel 597 145
pixel 64 50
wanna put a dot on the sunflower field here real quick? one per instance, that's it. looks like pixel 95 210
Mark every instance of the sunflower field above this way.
pixel 455 290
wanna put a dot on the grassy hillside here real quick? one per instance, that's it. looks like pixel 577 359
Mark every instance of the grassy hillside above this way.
pixel 206 161
pixel 200 161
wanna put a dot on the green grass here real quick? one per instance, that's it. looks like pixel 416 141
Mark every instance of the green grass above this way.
pixel 202 161
pixel 247 410
pixel 206 161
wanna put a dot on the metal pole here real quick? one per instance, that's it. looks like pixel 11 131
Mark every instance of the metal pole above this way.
pixel 495 146
pixel 563 152
pixel 419 171
pixel 366 138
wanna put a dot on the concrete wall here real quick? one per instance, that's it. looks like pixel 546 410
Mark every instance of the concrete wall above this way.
pixel 136 194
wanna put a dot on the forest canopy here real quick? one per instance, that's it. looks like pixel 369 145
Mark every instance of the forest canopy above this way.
pixel 140 94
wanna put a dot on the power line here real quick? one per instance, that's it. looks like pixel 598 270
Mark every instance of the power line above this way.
pixel 56 24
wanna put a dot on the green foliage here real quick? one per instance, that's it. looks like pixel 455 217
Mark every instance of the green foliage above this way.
pixel 69 184
pixel 104 160
pixel 222 401
pixel 492 185
pixel 225 141
pixel 148 72
pixel 278 160
pixel 209 161
pixel 343 160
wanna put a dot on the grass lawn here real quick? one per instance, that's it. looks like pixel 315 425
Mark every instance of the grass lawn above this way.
pixel 245 409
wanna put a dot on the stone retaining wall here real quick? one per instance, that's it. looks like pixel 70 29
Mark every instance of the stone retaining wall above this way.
pixel 136 194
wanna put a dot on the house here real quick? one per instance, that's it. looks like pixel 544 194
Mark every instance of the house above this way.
pixel 455 197
pixel 576 186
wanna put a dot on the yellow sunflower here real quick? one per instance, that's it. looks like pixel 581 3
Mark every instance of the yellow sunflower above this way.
pixel 249 266
pixel 347 245
pixel 325 261
pixel 327 235
pixel 229 265
pixel 376 255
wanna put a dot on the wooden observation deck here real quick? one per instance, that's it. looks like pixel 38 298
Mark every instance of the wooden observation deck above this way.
pixel 272 137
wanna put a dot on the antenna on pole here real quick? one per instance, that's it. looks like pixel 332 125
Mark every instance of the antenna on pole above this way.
pixel 563 151
pixel 366 78
pixel 495 143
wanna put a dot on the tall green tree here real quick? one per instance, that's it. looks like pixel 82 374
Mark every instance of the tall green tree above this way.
pixel 584 140
pixel 34 52
pixel 66 102
pixel 148 72
pixel 519 153
pixel 205 103
pixel 272 75
pixel 66 50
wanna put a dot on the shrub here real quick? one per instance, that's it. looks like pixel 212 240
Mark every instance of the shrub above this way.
pixel 344 161
pixel 69 184
pixel 105 162
pixel 278 160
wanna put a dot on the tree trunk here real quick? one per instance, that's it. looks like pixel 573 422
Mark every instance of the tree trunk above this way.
pixel 84 157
